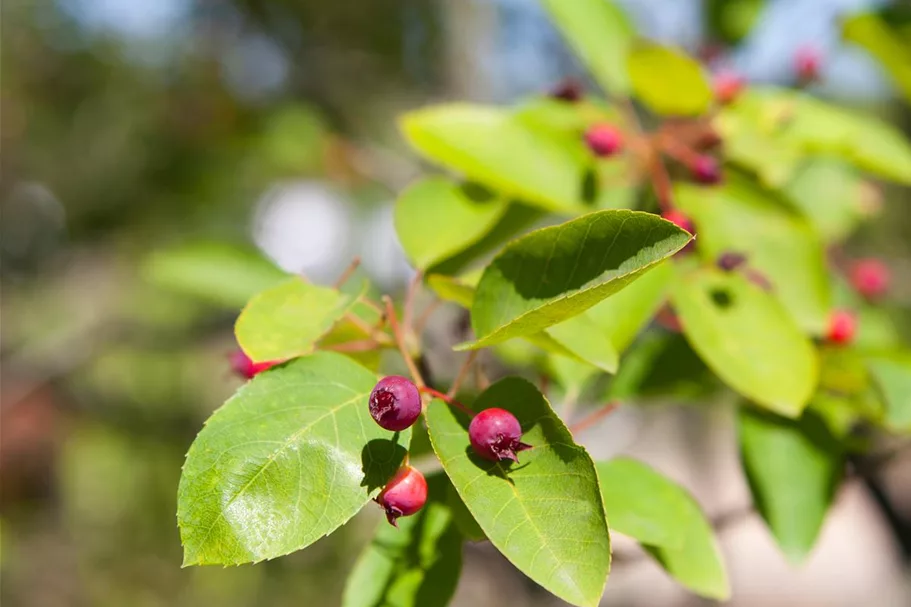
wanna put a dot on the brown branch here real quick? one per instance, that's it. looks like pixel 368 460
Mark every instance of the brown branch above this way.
pixel 463 372
pixel 348 273
pixel 408 316
pixel 400 340
pixel 593 417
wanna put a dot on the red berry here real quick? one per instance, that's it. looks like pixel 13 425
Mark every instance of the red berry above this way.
pixel 706 170
pixel 404 495
pixel 495 433
pixel 728 86
pixel 604 140
pixel 395 403
pixel 807 61
pixel 668 319
pixel 842 327
pixel 730 260
pixel 244 366
pixel 569 90
pixel 870 277
pixel 680 220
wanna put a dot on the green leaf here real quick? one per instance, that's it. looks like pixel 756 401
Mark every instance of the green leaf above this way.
pixel 697 564
pixel 601 34
pixel 571 374
pixel 643 503
pixel 545 515
pixel 554 273
pixel 872 33
pixel 288 459
pixel 416 565
pixel 583 337
pixel 828 193
pixel 451 289
pixel 493 147
pixel 220 273
pixel 793 467
pixel 462 517
pixel 892 374
pixel 668 81
pixel 747 339
pixel 739 216
pixel 436 218
pixel 288 319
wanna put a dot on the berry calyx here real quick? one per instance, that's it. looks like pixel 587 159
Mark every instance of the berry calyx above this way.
pixel 706 170
pixel 677 218
pixel 569 90
pixel 395 403
pixel 871 278
pixel 244 366
pixel 842 327
pixel 807 62
pixel 495 435
pixel 728 85
pixel 730 261
pixel 404 495
pixel 604 140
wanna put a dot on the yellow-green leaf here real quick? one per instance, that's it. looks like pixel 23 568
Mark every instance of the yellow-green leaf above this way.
pixel 668 81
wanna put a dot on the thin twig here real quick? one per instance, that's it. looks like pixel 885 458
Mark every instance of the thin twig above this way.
pixel 448 400
pixel 480 378
pixel 360 345
pixel 400 340
pixel 594 417
pixel 348 273
pixel 463 372
pixel 373 331
pixel 408 315
pixel 661 181
pixel 421 323
pixel 372 304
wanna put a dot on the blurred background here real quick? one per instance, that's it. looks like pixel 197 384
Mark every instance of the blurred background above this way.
pixel 144 142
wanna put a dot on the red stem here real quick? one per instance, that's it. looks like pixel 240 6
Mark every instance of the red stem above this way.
pixel 593 417
pixel 448 400
pixel 400 340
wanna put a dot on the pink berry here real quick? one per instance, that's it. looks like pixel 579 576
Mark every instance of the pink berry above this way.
pixel 404 495
pixel 706 170
pixel 570 90
pixel 871 278
pixel 495 434
pixel 842 327
pixel 604 140
pixel 244 366
pixel 680 220
pixel 807 61
pixel 728 85
pixel 395 403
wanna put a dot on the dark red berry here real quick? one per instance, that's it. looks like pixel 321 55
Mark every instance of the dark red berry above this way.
pixel 668 319
pixel 730 260
pixel 705 169
pixel 395 403
pixel 680 220
pixel 807 62
pixel 404 495
pixel 495 434
pixel 871 278
pixel 842 327
pixel 604 140
pixel 244 366
pixel 728 85
pixel 569 90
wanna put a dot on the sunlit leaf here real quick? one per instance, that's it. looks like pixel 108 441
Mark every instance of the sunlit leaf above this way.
pixel 828 193
pixel 893 52
pixel 545 515
pixel 289 458
pixel 668 81
pixel 892 374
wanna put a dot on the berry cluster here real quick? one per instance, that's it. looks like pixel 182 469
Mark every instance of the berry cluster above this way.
pixel 395 404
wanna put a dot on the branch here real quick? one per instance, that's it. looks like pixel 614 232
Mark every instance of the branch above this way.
pixel 400 340
pixel 448 400
pixel 594 417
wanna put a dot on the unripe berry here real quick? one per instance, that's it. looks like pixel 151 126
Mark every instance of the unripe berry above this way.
pixel 677 218
pixel 728 86
pixel 395 403
pixel 842 327
pixel 870 277
pixel 706 170
pixel 807 61
pixel 495 434
pixel 569 90
pixel 404 495
pixel 730 260
pixel 604 140
pixel 244 366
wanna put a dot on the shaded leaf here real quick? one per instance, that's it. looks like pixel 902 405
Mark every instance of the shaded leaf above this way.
pixel 545 515
pixel 220 273
pixel 554 273
pixel 668 81
pixel 288 459
pixel 747 339
pixel 415 565
pixel 892 374
pixel 741 217
pixel 601 34
pixel 493 147
pixel 462 516
pixel 583 337
pixel 436 218
pixel 643 503
pixel 793 468
pixel 288 319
